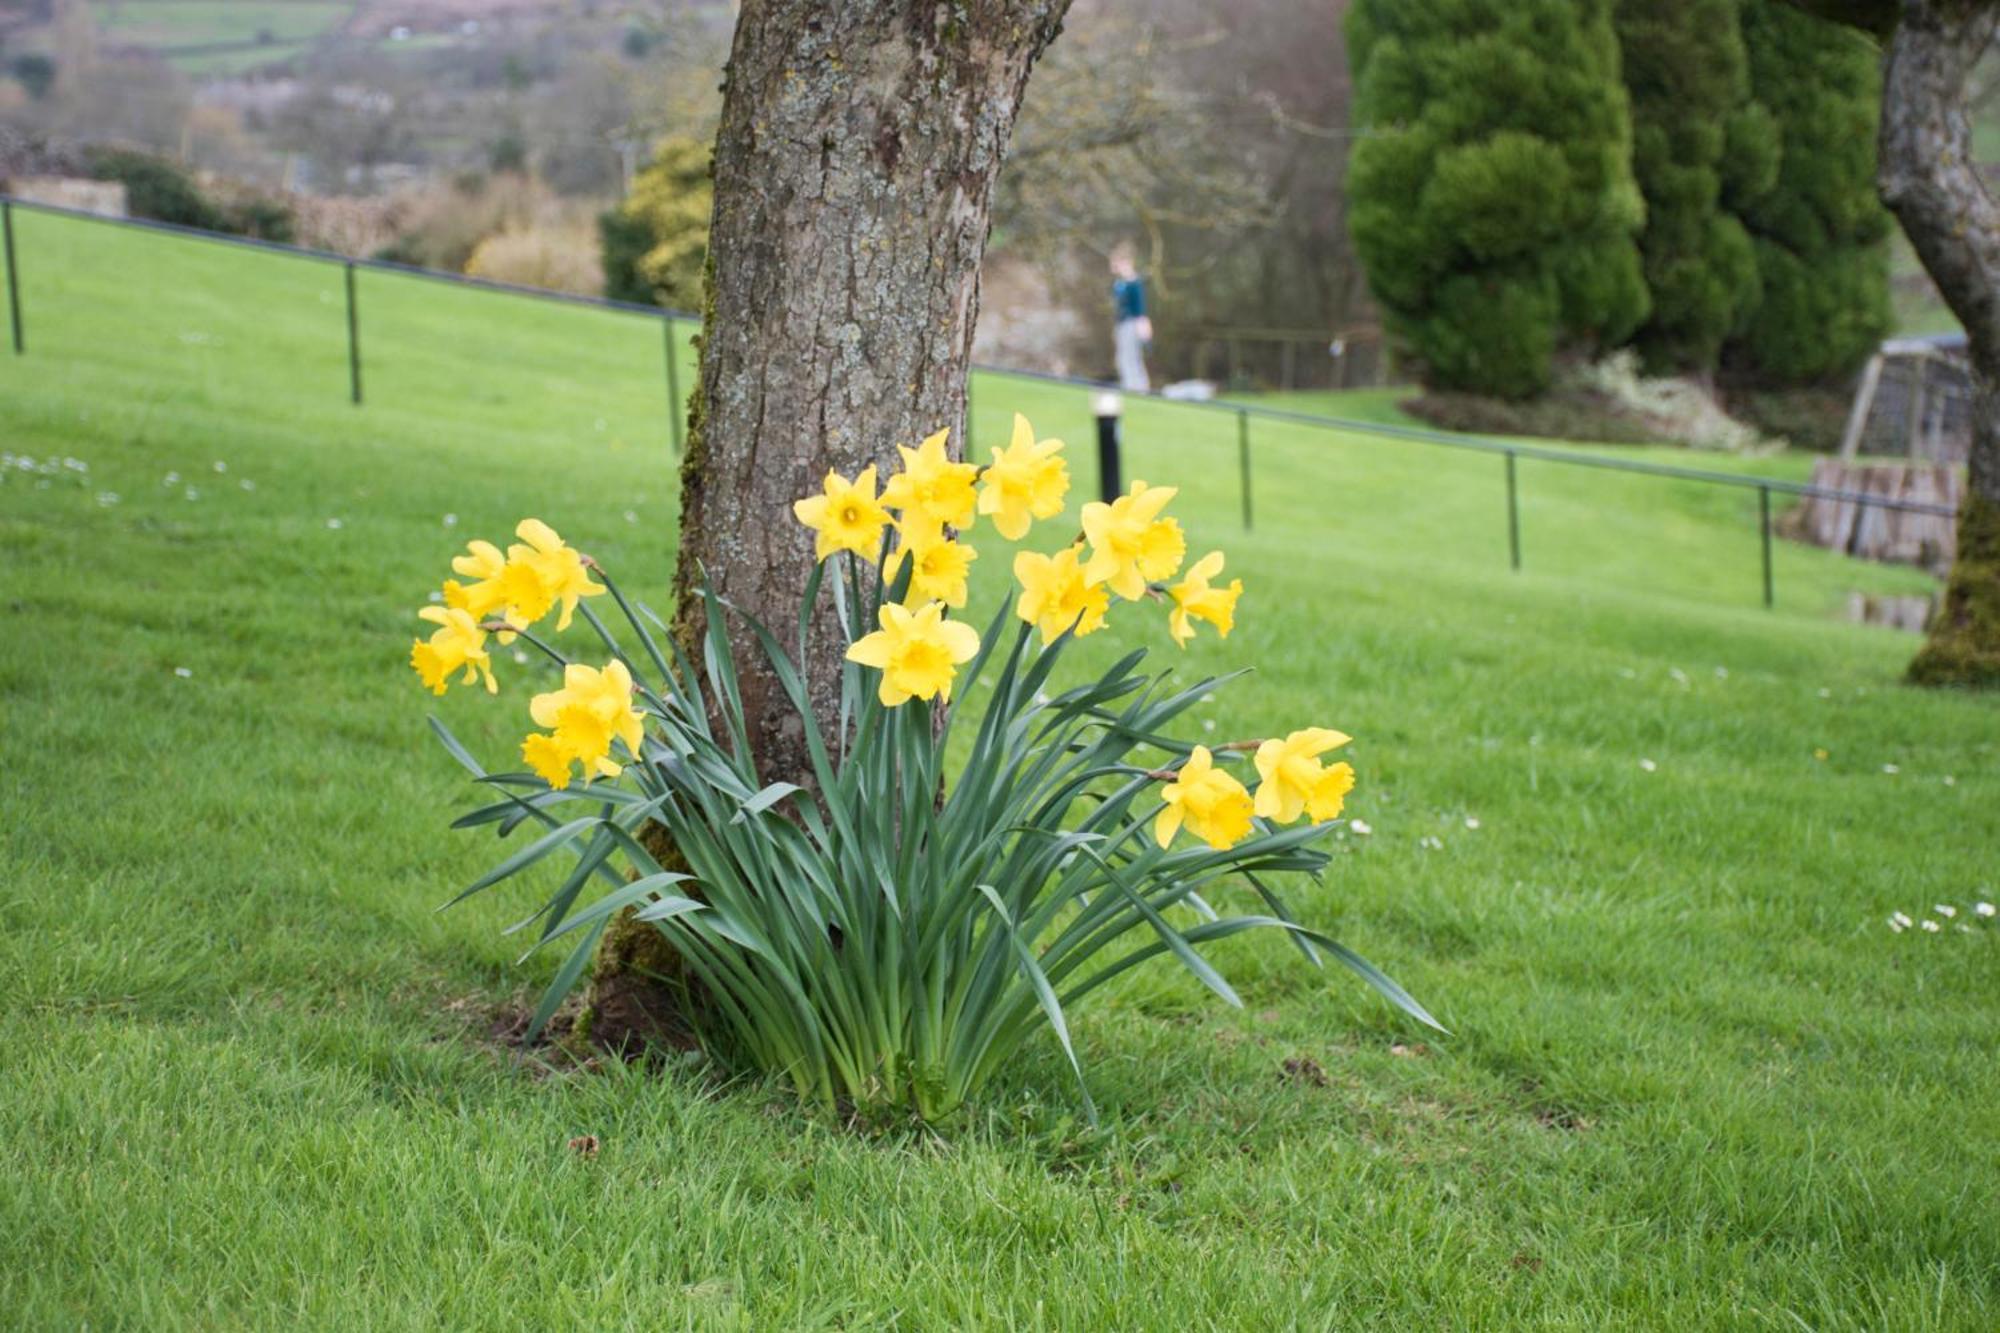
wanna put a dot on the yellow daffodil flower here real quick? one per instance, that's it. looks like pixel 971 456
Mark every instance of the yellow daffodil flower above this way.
pixel 482 563
pixel 1292 775
pixel 918 652
pixel 1213 804
pixel 582 719
pixel 1195 599
pixel 458 642
pixel 1055 596
pixel 486 595
pixel 940 571
pixel 1025 481
pixel 1329 794
pixel 932 492
pixel 540 572
pixel 1129 541
pixel 846 515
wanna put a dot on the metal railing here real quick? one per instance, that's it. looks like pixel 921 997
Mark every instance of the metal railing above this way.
pixel 1245 413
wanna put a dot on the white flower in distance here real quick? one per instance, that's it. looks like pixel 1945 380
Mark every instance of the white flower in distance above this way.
pixel 1648 765
pixel 1985 909
pixel 1361 827
pixel 1932 926
pixel 1945 909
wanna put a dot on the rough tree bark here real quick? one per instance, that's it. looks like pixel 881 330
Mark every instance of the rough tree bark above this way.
pixel 1930 180
pixel 854 172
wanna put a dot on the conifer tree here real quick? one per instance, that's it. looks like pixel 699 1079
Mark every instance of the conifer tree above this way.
pixel 1492 198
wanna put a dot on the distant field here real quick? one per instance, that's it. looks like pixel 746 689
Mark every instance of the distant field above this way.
pixel 175 23
pixel 1634 838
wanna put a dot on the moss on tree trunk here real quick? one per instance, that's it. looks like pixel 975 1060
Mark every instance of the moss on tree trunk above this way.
pixel 1964 643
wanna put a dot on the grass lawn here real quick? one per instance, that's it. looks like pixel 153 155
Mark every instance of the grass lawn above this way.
pixel 1694 1079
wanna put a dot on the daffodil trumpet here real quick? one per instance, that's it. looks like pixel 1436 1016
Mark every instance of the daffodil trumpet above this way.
pixel 883 930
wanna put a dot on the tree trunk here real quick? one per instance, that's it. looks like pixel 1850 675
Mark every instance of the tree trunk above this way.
pixel 854 173
pixel 1930 180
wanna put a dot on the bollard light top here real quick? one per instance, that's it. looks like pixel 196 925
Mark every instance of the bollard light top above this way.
pixel 1106 403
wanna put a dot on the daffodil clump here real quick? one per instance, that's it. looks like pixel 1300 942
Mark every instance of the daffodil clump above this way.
pixel 879 931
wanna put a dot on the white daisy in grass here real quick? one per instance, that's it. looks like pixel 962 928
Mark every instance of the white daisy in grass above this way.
pixel 1649 766
pixel 1932 926
pixel 1361 827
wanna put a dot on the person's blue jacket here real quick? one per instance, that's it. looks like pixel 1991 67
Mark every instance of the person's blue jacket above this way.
pixel 1128 296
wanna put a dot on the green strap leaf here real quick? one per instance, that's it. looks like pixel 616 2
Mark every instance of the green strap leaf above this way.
pixel 1045 995
pixel 527 856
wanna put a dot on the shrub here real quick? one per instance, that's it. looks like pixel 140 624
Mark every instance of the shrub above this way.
pixel 622 241
pixel 1493 202
pixel 560 259
pixel 1820 231
pixel 266 219
pixel 161 190
pixel 888 935
pixel 1685 68
pixel 155 188
pixel 440 228
pixel 655 242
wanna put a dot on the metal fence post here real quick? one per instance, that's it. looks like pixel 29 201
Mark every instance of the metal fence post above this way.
pixel 1106 406
pixel 674 415
pixel 13 277
pixel 1513 516
pixel 1243 460
pixel 1764 514
pixel 353 340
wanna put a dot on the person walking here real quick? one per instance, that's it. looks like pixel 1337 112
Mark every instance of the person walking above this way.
pixel 1132 331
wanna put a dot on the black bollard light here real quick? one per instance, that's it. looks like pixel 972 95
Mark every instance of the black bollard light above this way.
pixel 1107 405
